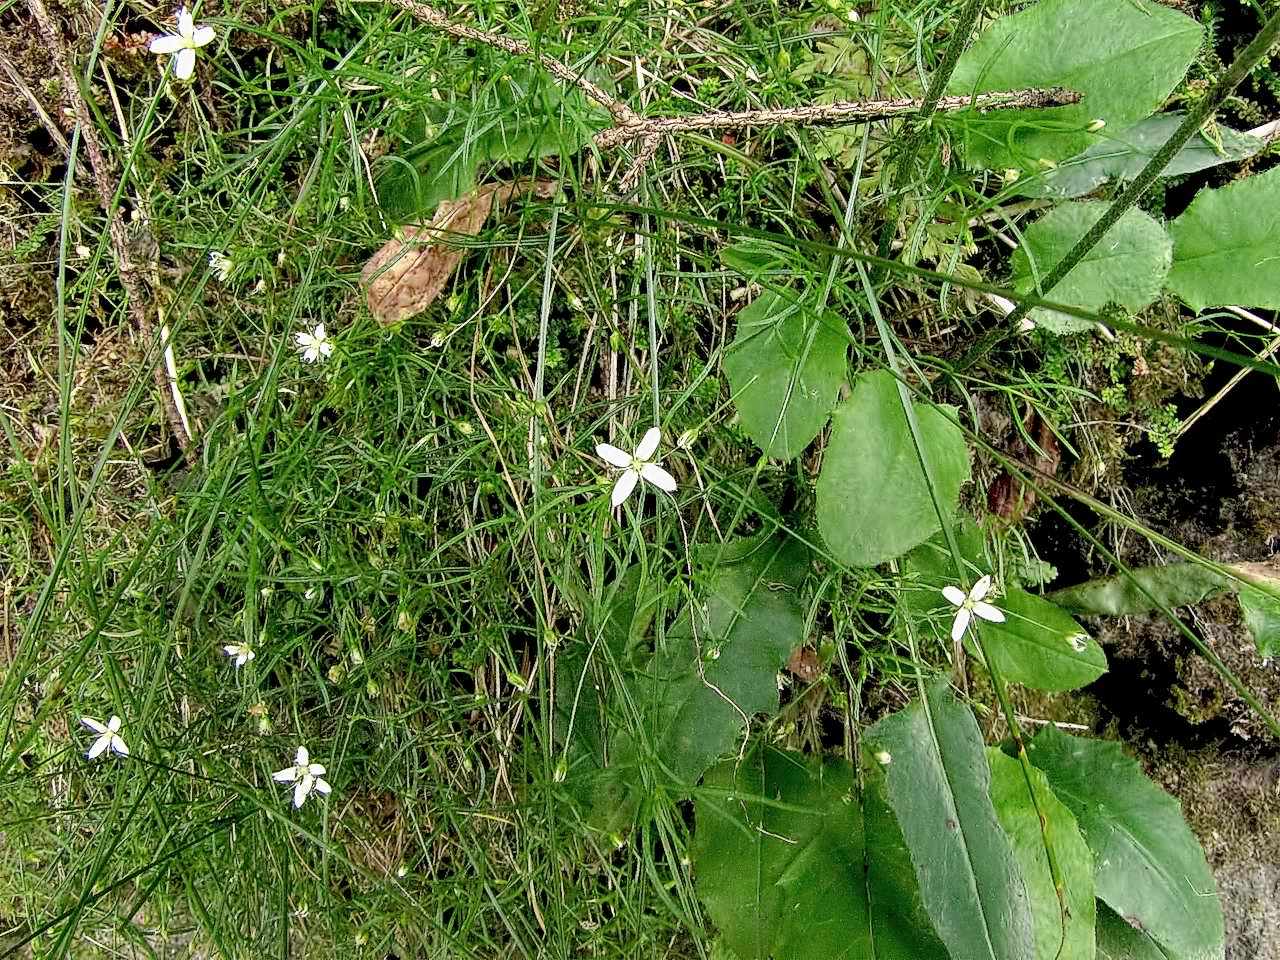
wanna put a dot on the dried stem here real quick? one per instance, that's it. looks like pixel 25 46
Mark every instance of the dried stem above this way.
pixel 629 126
pixel 130 278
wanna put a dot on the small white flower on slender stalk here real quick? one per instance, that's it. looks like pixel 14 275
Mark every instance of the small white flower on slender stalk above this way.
pixel 971 605
pixel 305 777
pixel 314 345
pixel 108 736
pixel 241 653
pixel 220 264
pixel 636 465
pixel 182 45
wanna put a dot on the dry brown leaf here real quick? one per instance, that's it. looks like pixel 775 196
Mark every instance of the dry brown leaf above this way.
pixel 411 270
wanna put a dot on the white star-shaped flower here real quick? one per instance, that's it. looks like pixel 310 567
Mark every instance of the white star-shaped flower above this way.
pixel 108 736
pixel 305 777
pixel 314 345
pixel 182 45
pixel 636 465
pixel 971 605
pixel 241 653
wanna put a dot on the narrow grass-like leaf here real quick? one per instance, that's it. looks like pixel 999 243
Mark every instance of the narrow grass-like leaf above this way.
pixel 1128 267
pixel 1125 56
pixel 873 498
pixel 1226 245
pixel 1149 866
pixel 785 367
pixel 789 867
pixel 1063 928
pixel 937 784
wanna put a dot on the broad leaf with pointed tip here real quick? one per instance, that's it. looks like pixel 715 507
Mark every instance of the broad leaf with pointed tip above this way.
pixel 1063 928
pixel 1123 154
pixel 1124 56
pixel 937 781
pixel 792 862
pixel 874 502
pixel 785 368
pixel 1226 245
pixel 1149 867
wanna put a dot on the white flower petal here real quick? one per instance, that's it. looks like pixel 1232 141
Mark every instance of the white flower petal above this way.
pixel 961 623
pixel 99 746
pixel 954 594
pixel 981 588
pixel 184 63
pixel 322 786
pixel 119 746
pixel 287 775
pixel 114 724
pixel 202 36
pixel 987 612
pixel 300 791
pixel 622 489
pixel 319 333
pixel 316 770
pixel 648 443
pixel 186 25
pixel 302 759
pixel 231 649
pixel 167 44
pixel 97 726
pixel 326 347
pixel 658 477
pixel 612 455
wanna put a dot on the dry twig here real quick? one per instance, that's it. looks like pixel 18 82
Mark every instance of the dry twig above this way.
pixel 130 278
pixel 629 126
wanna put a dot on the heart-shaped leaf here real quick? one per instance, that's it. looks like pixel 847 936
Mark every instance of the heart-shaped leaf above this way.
pixel 1226 245
pixel 785 367
pixel 873 496
pixel 1127 267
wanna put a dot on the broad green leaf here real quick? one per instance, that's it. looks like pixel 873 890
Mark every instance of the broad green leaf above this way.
pixel 521 115
pixel 1121 155
pixel 785 368
pixel 1124 56
pixel 1040 645
pixel 1118 941
pixel 1149 866
pixel 788 867
pixel 1226 245
pixel 937 785
pixel 1174 585
pixel 712 671
pixel 1128 266
pixel 1063 929
pixel 873 499
pixel 1261 611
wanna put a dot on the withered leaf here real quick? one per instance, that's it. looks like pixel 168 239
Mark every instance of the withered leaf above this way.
pixel 411 270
